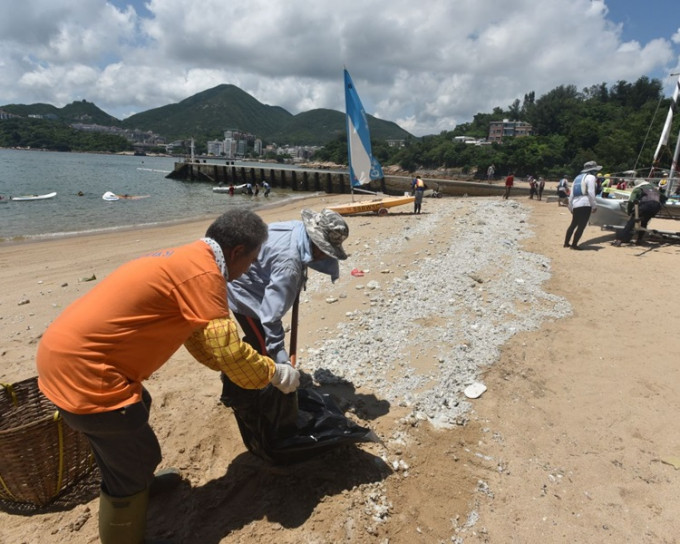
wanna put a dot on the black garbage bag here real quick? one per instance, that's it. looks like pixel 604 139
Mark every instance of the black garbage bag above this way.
pixel 289 428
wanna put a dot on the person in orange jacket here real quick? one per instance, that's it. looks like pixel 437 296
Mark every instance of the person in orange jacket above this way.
pixel 93 358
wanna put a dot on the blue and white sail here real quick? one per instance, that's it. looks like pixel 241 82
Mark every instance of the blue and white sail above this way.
pixel 363 167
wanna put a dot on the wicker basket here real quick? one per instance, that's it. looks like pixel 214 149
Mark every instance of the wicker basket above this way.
pixel 40 456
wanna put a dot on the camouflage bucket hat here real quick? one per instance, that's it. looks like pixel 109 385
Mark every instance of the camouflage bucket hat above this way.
pixel 328 230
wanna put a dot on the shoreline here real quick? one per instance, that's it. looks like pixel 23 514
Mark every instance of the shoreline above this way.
pixel 38 238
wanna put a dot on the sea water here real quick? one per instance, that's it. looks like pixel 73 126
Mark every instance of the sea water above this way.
pixel 70 212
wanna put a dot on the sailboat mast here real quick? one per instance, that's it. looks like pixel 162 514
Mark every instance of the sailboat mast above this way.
pixel 665 133
pixel 348 128
pixel 674 167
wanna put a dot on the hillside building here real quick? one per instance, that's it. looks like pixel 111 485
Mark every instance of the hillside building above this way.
pixel 505 128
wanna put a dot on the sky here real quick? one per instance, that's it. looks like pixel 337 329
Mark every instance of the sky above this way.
pixel 427 65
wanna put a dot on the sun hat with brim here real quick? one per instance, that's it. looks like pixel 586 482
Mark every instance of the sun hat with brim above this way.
pixel 328 230
pixel 591 166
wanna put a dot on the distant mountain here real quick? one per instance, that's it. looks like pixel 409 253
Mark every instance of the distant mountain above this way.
pixel 208 114
pixel 323 125
pixel 76 112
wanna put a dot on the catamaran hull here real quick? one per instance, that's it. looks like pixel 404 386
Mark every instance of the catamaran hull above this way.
pixel 372 205
pixel 610 211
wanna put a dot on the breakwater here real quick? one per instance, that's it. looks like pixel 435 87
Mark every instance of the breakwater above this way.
pixel 304 179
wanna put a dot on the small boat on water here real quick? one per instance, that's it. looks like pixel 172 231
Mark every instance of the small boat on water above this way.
pixel 34 197
pixel 225 188
pixel 112 197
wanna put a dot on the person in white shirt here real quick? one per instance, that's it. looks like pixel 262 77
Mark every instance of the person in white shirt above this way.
pixel 581 203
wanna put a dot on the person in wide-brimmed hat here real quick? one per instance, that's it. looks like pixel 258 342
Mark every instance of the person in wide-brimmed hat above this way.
pixel 581 203
pixel 591 166
pixel 261 297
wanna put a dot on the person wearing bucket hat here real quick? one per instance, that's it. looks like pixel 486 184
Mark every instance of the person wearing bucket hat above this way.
pixel 261 297
pixel 581 203
pixel 591 166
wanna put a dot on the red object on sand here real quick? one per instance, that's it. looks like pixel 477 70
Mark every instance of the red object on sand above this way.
pixel 356 272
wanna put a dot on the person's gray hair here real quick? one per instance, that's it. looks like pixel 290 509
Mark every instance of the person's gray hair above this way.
pixel 238 226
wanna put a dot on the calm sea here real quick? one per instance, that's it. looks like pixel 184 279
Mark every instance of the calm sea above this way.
pixel 37 172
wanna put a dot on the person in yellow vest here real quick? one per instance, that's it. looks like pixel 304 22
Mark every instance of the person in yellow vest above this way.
pixel 418 188
pixel 606 183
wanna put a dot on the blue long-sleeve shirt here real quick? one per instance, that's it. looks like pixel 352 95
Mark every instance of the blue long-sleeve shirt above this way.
pixel 268 290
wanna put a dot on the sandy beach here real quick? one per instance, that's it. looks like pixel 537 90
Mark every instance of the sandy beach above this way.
pixel 574 440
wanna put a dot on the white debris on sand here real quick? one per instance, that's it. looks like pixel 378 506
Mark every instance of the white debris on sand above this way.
pixel 456 304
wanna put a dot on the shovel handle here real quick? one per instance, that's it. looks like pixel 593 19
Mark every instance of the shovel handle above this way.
pixel 294 330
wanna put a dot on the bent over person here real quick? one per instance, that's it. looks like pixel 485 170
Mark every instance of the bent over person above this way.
pixel 93 358
pixel 648 199
pixel 262 296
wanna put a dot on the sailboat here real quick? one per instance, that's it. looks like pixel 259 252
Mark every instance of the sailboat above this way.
pixel 663 141
pixel 614 208
pixel 363 166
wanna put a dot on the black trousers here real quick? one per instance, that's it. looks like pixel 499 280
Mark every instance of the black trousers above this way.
pixel 125 447
pixel 579 220
pixel 264 416
pixel 646 211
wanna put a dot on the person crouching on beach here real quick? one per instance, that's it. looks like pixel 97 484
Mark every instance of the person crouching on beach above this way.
pixel 581 203
pixel 563 192
pixel 93 358
pixel 261 298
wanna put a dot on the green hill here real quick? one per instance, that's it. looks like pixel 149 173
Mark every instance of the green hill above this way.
pixel 76 112
pixel 322 126
pixel 209 113
pixel 206 115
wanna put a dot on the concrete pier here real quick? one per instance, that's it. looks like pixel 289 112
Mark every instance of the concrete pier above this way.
pixel 320 180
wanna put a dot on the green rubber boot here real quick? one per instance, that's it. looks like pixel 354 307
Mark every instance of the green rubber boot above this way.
pixel 123 519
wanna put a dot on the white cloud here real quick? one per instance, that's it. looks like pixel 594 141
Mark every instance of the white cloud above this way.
pixel 426 65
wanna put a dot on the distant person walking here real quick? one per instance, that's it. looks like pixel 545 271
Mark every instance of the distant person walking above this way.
pixel 509 182
pixel 532 187
pixel 490 173
pixel 581 203
pixel 418 188
pixel 540 185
